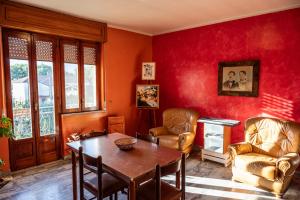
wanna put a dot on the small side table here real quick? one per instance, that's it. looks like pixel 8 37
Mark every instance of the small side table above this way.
pixel 217 135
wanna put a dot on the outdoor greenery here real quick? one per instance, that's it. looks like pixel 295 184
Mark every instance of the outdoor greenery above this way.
pixel 5 131
pixel 6 127
pixel 19 70
pixel 1 162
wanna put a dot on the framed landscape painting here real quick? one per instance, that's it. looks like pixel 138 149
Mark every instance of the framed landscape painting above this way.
pixel 238 78
pixel 147 96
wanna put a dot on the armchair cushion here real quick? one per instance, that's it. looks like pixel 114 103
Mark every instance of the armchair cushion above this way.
pixel 257 164
pixel 239 148
pixel 158 131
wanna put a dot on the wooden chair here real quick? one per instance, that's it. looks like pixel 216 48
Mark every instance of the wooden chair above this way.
pixel 166 170
pixel 148 138
pixel 101 186
pixel 89 163
pixel 116 124
pixel 93 134
pixel 167 191
pixel 154 177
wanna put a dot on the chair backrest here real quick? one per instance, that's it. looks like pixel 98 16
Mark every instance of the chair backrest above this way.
pixel 148 138
pixel 176 167
pixel 93 134
pixel 154 174
pixel 274 137
pixel 173 167
pixel 95 162
pixel 180 120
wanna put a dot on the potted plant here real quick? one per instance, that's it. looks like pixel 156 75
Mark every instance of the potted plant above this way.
pixel 5 131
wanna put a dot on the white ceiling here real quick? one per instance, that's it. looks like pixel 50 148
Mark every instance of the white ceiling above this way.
pixel 152 17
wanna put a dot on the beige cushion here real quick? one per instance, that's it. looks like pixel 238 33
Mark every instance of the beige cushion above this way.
pixel 257 164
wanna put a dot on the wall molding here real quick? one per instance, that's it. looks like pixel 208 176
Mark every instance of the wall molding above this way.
pixel 228 19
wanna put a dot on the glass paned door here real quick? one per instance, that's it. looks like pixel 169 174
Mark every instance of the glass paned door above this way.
pixel 19 95
pixel 46 81
pixel 30 65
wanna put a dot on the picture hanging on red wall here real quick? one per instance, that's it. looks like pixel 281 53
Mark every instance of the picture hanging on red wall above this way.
pixel 238 78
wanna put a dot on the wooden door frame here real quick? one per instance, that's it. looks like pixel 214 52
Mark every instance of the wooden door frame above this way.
pixel 56 80
pixel 30 37
pixel 12 143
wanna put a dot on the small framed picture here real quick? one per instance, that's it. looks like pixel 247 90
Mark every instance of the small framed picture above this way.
pixel 238 78
pixel 148 71
pixel 147 96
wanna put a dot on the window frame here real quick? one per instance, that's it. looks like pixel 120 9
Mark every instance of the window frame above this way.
pixel 81 86
pixel 98 76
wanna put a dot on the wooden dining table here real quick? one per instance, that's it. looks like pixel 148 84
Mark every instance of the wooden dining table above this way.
pixel 127 165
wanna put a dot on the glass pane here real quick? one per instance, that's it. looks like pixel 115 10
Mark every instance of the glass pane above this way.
pixel 90 86
pixel 213 137
pixel 71 85
pixel 20 84
pixel 45 79
pixel 89 59
pixel 71 76
pixel 46 97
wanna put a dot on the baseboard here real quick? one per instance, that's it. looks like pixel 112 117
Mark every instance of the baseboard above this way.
pixel 4 174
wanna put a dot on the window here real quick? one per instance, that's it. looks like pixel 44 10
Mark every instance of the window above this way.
pixel 80 76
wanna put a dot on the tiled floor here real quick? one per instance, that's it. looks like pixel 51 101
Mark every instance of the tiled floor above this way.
pixel 205 180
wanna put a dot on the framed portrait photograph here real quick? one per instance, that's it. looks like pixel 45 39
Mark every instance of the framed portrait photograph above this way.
pixel 147 96
pixel 148 71
pixel 238 78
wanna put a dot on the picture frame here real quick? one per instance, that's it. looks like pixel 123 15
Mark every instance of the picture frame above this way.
pixel 238 78
pixel 147 96
pixel 148 70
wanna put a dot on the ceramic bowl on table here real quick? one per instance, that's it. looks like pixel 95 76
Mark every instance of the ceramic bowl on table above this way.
pixel 125 143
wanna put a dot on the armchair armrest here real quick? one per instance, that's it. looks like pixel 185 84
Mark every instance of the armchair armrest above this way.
pixel 239 148
pixel 186 139
pixel 158 131
pixel 287 164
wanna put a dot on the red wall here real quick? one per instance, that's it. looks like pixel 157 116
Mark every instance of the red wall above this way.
pixel 187 67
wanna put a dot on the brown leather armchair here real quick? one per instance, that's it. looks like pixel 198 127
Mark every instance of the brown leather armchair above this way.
pixel 178 130
pixel 269 156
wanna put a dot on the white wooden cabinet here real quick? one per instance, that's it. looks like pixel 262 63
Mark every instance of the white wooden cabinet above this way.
pixel 217 136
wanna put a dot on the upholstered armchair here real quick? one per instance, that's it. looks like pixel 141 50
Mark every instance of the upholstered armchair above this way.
pixel 178 130
pixel 269 156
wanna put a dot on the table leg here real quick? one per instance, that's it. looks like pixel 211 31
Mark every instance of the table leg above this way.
pixel 132 190
pixel 74 176
pixel 178 179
